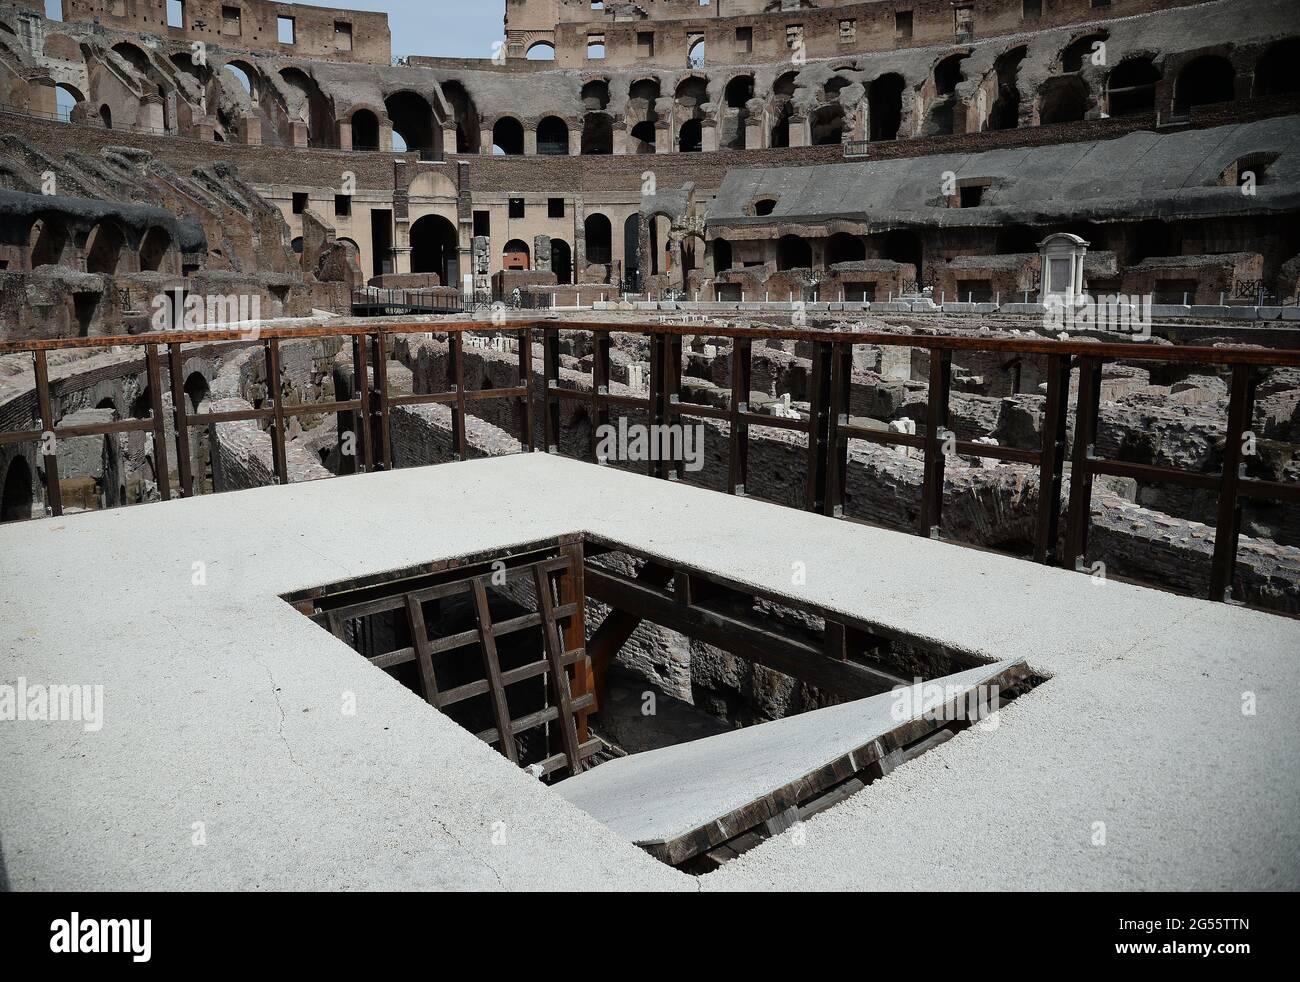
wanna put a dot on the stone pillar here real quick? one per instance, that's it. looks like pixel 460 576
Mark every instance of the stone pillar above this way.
pixel 299 133
pixel 799 136
pixel 530 142
pixel 252 126
pixel 345 134
pixel 542 253
pixel 709 136
pixel 485 141
pixel 754 134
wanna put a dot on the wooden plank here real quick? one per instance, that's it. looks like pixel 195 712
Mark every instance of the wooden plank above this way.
pixel 837 444
pixel 1227 528
pixel 800 660
pixel 599 415
pixel 493 668
pixel 273 392
pixel 423 657
pixel 365 461
pixel 741 374
pixel 550 383
pixel 671 386
pixel 819 427
pixel 573 595
pixel 1051 465
pixel 456 345
pixel 559 674
pixel 161 468
pixel 180 422
pixel 527 437
pixel 615 630
pixel 385 410
pixel 936 419
pixel 1087 404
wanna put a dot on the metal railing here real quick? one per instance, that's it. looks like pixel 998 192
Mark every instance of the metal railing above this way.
pixel 828 427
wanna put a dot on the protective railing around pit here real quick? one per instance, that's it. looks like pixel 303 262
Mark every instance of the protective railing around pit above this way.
pixel 828 427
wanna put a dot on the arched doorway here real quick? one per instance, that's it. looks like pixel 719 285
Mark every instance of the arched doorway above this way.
pixel 691 139
pixel 508 137
pixel 844 248
pixel 885 106
pixel 435 249
pixel 597 233
pixel 1131 87
pixel 632 250
pixel 516 255
pixel 153 249
pixel 1204 81
pixel 793 252
pixel 16 505
pixel 412 119
pixel 104 248
pixel 561 261
pixel 365 130
pixel 48 239
pixel 597 134
pixel 552 137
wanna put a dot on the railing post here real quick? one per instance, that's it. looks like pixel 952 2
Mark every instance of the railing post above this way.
pixel 741 373
pixel 526 435
pixel 153 367
pixel 53 493
pixel 361 417
pixel 551 382
pixel 1051 464
pixel 837 444
pixel 600 352
pixel 671 396
pixel 277 422
pixel 456 348
pixel 180 421
pixel 1085 435
pixel 1227 527
pixel 819 428
pixel 936 418
pixel 381 387
pixel 655 403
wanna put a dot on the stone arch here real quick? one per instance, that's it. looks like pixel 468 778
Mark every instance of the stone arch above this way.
pixel 595 94
pixel 827 125
pixel 845 248
pixel 104 248
pixel 246 76
pixel 435 248
pixel 66 100
pixel 154 248
pixel 466 116
pixel 793 252
pixel 412 117
pixel 1131 86
pixel 106 116
pixel 1062 99
pixel 516 255
pixel 507 137
pixel 561 261
pixel 948 73
pixel 690 138
pixel 540 51
pixel 597 133
pixel 552 137
pixel 1204 81
pixel 1005 112
pixel 48 238
pixel 643 134
pixel 597 233
pixel 632 247
pixel 1075 54
pixel 17 498
pixel 885 106
pixel 365 130
pixel 1278 70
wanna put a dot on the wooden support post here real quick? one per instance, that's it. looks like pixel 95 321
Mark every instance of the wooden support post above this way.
pixel 837 444
pixel 600 349
pixel 456 350
pixel 572 584
pixel 738 469
pixel 273 393
pixel 153 365
pixel 671 468
pixel 655 404
pixel 423 655
pixel 551 382
pixel 615 630
pixel 936 419
pixel 1087 404
pixel 1052 462
pixel 555 650
pixel 364 435
pixel 527 437
pixel 385 409
pixel 819 428
pixel 492 668
pixel 180 421
pixel 53 495
pixel 1227 529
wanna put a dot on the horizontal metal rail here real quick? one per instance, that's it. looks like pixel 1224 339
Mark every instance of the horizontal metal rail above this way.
pixel 827 427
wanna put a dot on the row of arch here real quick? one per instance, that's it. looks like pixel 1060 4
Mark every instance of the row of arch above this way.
pixel 105 246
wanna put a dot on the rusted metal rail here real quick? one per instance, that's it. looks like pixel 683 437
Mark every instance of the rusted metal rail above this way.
pixel 828 428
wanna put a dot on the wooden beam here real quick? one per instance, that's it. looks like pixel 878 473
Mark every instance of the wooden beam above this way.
pixel 615 630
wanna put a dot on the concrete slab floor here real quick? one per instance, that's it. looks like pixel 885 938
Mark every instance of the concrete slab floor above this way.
pixel 223 705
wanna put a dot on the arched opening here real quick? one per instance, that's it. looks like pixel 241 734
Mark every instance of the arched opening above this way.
pixel 1278 71
pixel 948 73
pixel 844 248
pixel 196 390
pixel 561 261
pixel 552 137
pixel 793 252
pixel 691 137
pixel 764 206
pixel 1080 50
pixel 903 246
pixel 104 248
pixel 632 250
pixel 412 119
pixel 435 249
pixel 885 104
pixel 106 116
pixel 695 55
pixel 516 255
pixel 1131 87
pixel 1064 100
pixel 66 99
pixel 644 135
pixel 507 137
pixel 16 501
pixel 462 106
pixel 781 113
pixel 827 127
pixel 541 51
pixel 153 249
pixel 659 226
pixel 1153 239
pixel 598 234
pixel 241 76
pixel 1005 113
pixel 692 253
pixel 1204 81
pixel 48 239
pixel 365 130
pixel 739 91
pixel 595 95
pixel 721 255
pixel 597 134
